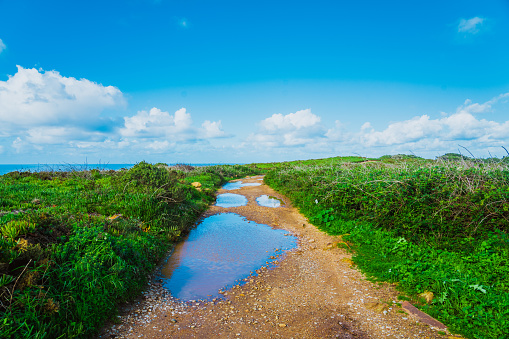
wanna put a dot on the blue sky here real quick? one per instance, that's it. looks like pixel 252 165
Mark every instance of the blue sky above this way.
pixel 235 81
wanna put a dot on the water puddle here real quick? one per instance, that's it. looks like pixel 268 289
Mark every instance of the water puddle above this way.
pixel 269 201
pixel 221 251
pixel 238 184
pixel 231 200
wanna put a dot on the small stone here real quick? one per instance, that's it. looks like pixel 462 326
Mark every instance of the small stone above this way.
pixel 311 240
pixel 281 325
pixel 173 320
pixel 329 246
pixel 377 307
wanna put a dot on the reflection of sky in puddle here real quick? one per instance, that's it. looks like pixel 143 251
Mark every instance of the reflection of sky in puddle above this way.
pixel 238 184
pixel 231 200
pixel 221 250
pixel 268 201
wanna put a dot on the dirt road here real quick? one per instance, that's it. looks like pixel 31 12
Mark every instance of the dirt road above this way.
pixel 313 292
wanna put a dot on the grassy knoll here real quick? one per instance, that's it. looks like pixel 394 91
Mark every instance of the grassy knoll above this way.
pixel 74 244
pixel 438 229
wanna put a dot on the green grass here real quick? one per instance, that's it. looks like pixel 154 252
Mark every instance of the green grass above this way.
pixel 429 226
pixel 75 244
pixel 326 161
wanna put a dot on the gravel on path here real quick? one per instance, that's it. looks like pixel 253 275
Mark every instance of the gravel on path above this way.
pixel 314 291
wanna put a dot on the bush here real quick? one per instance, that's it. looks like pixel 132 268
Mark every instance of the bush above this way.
pixel 430 226
pixel 74 244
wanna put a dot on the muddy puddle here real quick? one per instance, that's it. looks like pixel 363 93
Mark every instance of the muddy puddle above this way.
pixel 238 184
pixel 269 201
pixel 230 200
pixel 220 252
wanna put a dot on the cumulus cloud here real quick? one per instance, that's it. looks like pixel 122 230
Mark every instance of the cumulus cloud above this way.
pixel 401 132
pixel 339 132
pixel 470 25
pixel 213 129
pixel 292 121
pixel 293 129
pixel 462 125
pixel 32 97
pixel 468 125
pixel 40 108
pixel 45 110
pixel 156 123
pixel 2 46
pixel 178 127
pixel 469 107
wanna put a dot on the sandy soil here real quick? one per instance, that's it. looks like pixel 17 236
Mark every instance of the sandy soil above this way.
pixel 313 292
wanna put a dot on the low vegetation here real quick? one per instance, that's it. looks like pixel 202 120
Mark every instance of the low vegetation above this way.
pixel 73 244
pixel 438 229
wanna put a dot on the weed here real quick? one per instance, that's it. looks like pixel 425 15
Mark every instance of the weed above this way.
pixel 436 228
pixel 73 244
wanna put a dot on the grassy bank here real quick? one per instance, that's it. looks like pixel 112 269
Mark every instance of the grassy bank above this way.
pixel 75 244
pixel 438 229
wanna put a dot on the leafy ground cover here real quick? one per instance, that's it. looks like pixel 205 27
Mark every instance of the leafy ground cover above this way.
pixel 75 244
pixel 437 229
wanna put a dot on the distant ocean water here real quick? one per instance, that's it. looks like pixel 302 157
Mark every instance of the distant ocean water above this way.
pixel 69 167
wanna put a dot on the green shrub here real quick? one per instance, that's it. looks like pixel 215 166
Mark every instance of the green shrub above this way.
pixel 79 242
pixel 430 226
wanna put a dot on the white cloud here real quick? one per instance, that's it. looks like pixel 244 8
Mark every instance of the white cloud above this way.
pixel 339 132
pixel 53 135
pixel 178 127
pixel 160 145
pixel 291 121
pixel 152 124
pixel 401 132
pixel 32 97
pixel 469 107
pixel 463 125
pixel 213 129
pixel 470 25
pixel 40 108
pixel 2 46
pixel 47 111
pixel 19 145
pixel 293 129
pixel 431 136
pixel 49 135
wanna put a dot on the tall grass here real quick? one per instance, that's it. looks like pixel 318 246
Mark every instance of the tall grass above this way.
pixel 74 244
pixel 430 226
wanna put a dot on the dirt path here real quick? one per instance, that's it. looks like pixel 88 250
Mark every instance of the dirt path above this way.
pixel 313 292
